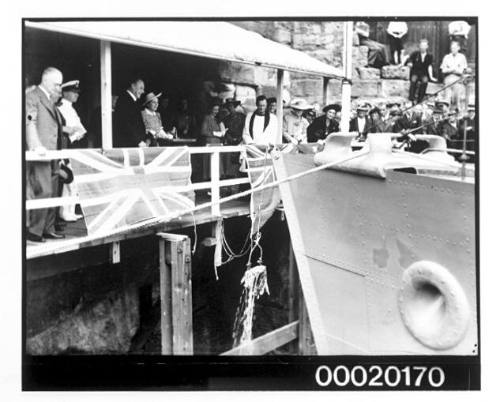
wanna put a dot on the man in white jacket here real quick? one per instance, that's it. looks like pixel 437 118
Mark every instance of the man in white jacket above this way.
pixel 75 131
pixel 261 127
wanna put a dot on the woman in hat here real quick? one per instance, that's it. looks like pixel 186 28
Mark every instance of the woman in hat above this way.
pixel 212 134
pixel 324 125
pixel 155 134
pixel 376 124
pixel 295 124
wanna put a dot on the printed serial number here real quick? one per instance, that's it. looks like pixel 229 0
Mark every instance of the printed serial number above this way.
pixel 376 376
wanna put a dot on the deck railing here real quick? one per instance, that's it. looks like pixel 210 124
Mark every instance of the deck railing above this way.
pixel 214 185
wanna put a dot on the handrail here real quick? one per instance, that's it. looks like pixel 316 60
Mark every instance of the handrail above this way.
pixel 32 156
pixel 214 184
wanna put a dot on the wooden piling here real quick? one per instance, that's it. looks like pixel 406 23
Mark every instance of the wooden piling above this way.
pixel 175 294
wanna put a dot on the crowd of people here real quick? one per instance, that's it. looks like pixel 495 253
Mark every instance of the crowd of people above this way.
pixel 144 120
pixel 453 67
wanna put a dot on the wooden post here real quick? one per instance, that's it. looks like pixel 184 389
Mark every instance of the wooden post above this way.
pixel 165 299
pixel 115 252
pixel 176 296
pixel 106 102
pixel 306 340
pixel 215 178
pixel 326 80
pixel 279 106
pixel 347 81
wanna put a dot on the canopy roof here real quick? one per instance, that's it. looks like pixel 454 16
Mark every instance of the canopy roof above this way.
pixel 212 39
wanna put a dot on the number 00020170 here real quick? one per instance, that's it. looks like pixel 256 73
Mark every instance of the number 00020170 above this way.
pixel 376 376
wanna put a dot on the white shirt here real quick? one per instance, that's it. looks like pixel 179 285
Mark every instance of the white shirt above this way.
pixel 132 95
pixel 261 137
pixel 451 63
pixel 361 124
pixel 72 119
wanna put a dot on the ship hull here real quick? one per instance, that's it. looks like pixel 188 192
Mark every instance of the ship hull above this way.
pixel 354 239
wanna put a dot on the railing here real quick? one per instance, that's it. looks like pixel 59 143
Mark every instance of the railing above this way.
pixel 214 185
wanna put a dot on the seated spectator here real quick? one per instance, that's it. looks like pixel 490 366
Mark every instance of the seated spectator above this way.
pixel 261 127
pixel 396 31
pixel 420 63
pixel 128 126
pixel 459 31
pixel 155 134
pixel 295 124
pixel 377 52
pixel 324 125
pixel 454 66
pixel 359 124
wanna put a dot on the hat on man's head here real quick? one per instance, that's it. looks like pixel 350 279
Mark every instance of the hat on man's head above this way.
pixel 71 86
pixel 391 104
pixel 232 101
pixel 149 97
pixel 375 110
pixel 363 107
pixel 334 106
pixel 300 104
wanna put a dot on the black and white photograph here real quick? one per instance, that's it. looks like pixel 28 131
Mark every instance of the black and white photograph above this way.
pixel 250 203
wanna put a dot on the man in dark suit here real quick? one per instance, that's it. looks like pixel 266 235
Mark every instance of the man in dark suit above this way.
pixel 360 123
pixel 420 63
pixel 128 126
pixel 43 132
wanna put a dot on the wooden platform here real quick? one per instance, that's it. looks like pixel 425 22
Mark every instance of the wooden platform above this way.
pixel 76 234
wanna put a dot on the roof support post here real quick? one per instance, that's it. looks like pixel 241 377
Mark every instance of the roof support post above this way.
pixel 106 102
pixel 347 81
pixel 279 105
pixel 326 80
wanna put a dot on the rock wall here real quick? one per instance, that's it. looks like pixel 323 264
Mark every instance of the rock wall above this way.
pixel 324 41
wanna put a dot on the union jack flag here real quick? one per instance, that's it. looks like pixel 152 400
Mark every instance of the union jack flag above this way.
pixel 260 170
pixel 122 187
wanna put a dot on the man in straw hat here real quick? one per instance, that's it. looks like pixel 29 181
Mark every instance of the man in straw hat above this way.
pixel 359 124
pixel 294 123
pixel 155 133
pixel 128 126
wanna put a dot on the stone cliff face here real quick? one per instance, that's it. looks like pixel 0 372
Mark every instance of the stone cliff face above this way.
pixel 322 40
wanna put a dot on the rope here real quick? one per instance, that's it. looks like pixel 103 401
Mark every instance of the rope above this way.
pixel 426 97
pixel 69 244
